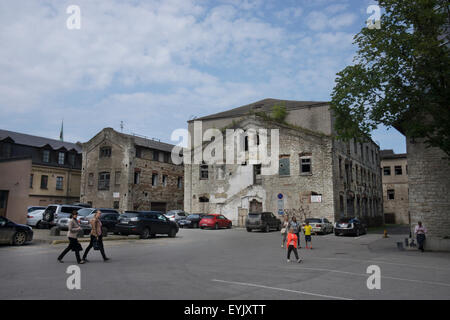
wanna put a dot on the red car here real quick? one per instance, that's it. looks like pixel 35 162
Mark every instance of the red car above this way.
pixel 215 221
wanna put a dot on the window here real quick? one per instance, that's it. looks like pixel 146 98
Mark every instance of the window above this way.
pixel 155 155
pixel 138 152
pixel 44 182
pixel 398 170
pixel 203 199
pixel 305 165
pixel 90 179
pixel 6 150
pixel 155 178
pixel 103 181
pixel 59 183
pixel 116 205
pixel 257 179
pixel 220 172
pixel 284 166
pixel 164 180
pixel 204 172
pixel 137 176
pixel 117 178
pixel 180 182
pixel 71 159
pixel 46 156
pixel 61 157
pixel 387 171
pixel 166 157
pixel 31 180
pixel 391 194
pixel 105 152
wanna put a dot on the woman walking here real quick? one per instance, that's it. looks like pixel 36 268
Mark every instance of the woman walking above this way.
pixel 292 246
pixel 72 234
pixel 296 227
pixel 96 237
pixel 284 230
pixel 420 231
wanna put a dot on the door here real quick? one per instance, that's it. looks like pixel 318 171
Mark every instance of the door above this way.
pixel 255 206
pixel 3 202
pixel 163 224
pixel 222 221
pixel 158 206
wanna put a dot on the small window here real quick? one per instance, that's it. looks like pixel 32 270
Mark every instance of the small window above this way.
pixel 180 182
pixel 203 199
pixel 90 179
pixel 61 157
pixel 391 194
pixel 44 182
pixel 155 178
pixel 137 177
pixel 105 152
pixel 398 170
pixel 103 181
pixel 115 206
pixel 46 156
pixel 138 152
pixel 59 183
pixel 387 171
pixel 164 180
pixel 71 159
pixel 204 172
pixel 305 165
pixel 117 178
pixel 31 180
pixel 155 155
pixel 167 157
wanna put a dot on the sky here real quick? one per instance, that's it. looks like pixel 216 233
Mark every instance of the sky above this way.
pixel 157 64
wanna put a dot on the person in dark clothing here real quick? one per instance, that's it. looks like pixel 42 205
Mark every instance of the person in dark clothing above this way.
pixel 96 236
pixel 72 234
pixel 420 231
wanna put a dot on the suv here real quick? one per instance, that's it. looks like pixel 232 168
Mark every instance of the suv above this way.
pixel 176 215
pixel 109 219
pixel 146 224
pixel 57 211
pixel 264 221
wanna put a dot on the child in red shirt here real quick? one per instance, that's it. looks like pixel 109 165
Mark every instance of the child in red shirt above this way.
pixel 292 245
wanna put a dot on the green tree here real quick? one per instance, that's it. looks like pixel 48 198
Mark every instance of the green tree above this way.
pixel 279 113
pixel 400 76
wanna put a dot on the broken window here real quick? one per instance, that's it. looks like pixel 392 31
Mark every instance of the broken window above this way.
pixel 203 199
pixel 398 170
pixel 387 171
pixel 105 152
pixel 103 181
pixel 391 194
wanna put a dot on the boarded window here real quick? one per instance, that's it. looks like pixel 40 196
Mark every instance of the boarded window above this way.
pixel 284 166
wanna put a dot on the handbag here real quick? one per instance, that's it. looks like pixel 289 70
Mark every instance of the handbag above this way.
pixel 283 230
pixel 96 244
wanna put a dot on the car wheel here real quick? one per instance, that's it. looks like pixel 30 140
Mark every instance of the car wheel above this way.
pixel 267 229
pixel 39 225
pixel 216 226
pixel 104 231
pixel 172 233
pixel 249 230
pixel 19 238
pixel 229 226
pixel 336 234
pixel 145 234
pixel 48 217
pixel 195 225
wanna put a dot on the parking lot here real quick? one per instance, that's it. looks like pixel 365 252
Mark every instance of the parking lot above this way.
pixel 228 264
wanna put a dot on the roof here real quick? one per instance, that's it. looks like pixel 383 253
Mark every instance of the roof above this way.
pixel 35 141
pixel 149 143
pixel 389 154
pixel 263 105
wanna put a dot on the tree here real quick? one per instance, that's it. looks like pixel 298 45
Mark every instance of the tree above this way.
pixel 400 76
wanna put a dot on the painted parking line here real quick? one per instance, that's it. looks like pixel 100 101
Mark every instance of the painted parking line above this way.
pixel 280 289
pixel 433 283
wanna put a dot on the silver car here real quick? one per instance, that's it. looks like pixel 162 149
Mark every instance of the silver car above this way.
pixel 34 218
pixel 176 215
pixel 54 212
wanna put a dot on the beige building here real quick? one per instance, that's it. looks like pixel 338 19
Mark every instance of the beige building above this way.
pixel 316 175
pixel 395 187
pixel 129 172
pixel 56 167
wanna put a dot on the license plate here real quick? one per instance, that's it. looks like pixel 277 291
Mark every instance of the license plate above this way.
pixel 125 222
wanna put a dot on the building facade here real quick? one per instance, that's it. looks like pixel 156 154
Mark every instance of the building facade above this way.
pixel 395 187
pixel 56 167
pixel 128 172
pixel 317 175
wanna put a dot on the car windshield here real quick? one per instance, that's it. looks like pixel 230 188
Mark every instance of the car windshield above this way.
pixel 254 215
pixel 209 217
pixel 346 220
pixel 313 220
pixel 193 216
pixel 84 212
pixel 129 215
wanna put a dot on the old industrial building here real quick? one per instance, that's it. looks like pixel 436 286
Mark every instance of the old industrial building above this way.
pixel 395 187
pixel 55 171
pixel 318 175
pixel 129 172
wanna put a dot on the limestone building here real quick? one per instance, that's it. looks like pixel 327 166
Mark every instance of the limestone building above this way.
pixel 395 187
pixel 316 174
pixel 130 172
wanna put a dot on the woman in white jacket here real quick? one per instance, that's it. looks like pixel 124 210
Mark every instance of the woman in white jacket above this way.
pixel 72 234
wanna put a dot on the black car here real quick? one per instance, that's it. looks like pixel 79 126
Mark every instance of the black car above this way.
pixel 109 218
pixel 352 226
pixel 146 224
pixel 264 221
pixel 192 220
pixel 13 233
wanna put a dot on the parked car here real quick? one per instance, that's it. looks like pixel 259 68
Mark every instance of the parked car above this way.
pixel 176 215
pixel 215 221
pixel 108 218
pixel 192 221
pixel 146 224
pixel 63 222
pixel 57 211
pixel 34 218
pixel 34 208
pixel 14 233
pixel 264 221
pixel 349 226
pixel 319 225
